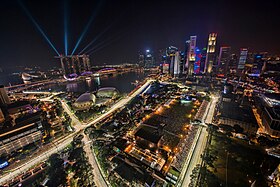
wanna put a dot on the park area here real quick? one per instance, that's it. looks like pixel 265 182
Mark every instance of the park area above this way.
pixel 234 162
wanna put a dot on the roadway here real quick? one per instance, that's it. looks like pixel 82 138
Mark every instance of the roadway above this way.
pixel 211 110
pixel 34 161
pixel 60 145
pixel 198 146
pixel 196 156
pixel 99 179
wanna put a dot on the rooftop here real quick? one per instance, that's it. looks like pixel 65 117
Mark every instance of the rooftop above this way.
pixel 149 133
pixel 232 110
pixel 85 97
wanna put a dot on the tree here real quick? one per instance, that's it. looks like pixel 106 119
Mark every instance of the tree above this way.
pixel 56 172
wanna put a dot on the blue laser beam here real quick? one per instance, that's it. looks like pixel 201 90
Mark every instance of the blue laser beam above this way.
pixel 37 26
pixel 104 31
pixel 93 16
pixel 99 47
pixel 96 38
pixel 65 27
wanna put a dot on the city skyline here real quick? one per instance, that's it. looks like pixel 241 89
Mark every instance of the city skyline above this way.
pixel 132 26
pixel 132 93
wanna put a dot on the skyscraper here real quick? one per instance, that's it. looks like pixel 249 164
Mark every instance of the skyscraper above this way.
pixel 177 64
pixel 223 60
pixel 232 63
pixel 197 61
pixel 149 60
pixel 203 59
pixel 75 65
pixel 191 55
pixel 242 59
pixel 141 60
pixel 210 57
pixel 170 54
pixel 186 53
pixel 258 62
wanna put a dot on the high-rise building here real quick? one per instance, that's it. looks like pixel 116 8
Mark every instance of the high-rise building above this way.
pixel 232 63
pixel 191 55
pixel 197 61
pixel 242 59
pixel 177 64
pixel 75 65
pixel 4 99
pixel 210 57
pixel 141 60
pixel 223 60
pixel 186 56
pixel 170 55
pixel 182 63
pixel 149 60
pixel 258 62
pixel 203 59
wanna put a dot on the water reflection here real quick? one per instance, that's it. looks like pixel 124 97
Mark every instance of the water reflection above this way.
pixel 120 81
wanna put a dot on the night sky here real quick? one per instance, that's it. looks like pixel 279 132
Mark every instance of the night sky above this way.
pixel 134 26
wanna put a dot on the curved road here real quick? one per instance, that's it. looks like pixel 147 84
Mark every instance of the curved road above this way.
pixel 61 144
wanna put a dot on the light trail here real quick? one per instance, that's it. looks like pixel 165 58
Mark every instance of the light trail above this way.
pixel 103 44
pixel 37 26
pixel 95 39
pixel 66 27
pixel 93 16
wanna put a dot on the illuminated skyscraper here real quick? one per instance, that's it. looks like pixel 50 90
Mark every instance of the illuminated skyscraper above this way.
pixel 242 59
pixel 177 64
pixel 210 57
pixel 191 55
pixel 170 54
pixel 223 60
pixel 75 65
pixel 186 57
pixel 232 63
pixel 197 61
pixel 259 60
pixel 149 60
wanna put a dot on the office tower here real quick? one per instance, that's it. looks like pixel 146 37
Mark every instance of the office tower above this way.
pixel 210 57
pixel 203 59
pixel 177 64
pixel 141 60
pixel 149 60
pixel 4 99
pixel 191 55
pixel 242 59
pixel 186 57
pixel 182 64
pixel 232 63
pixel 197 61
pixel 258 62
pixel 170 55
pixel 223 60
